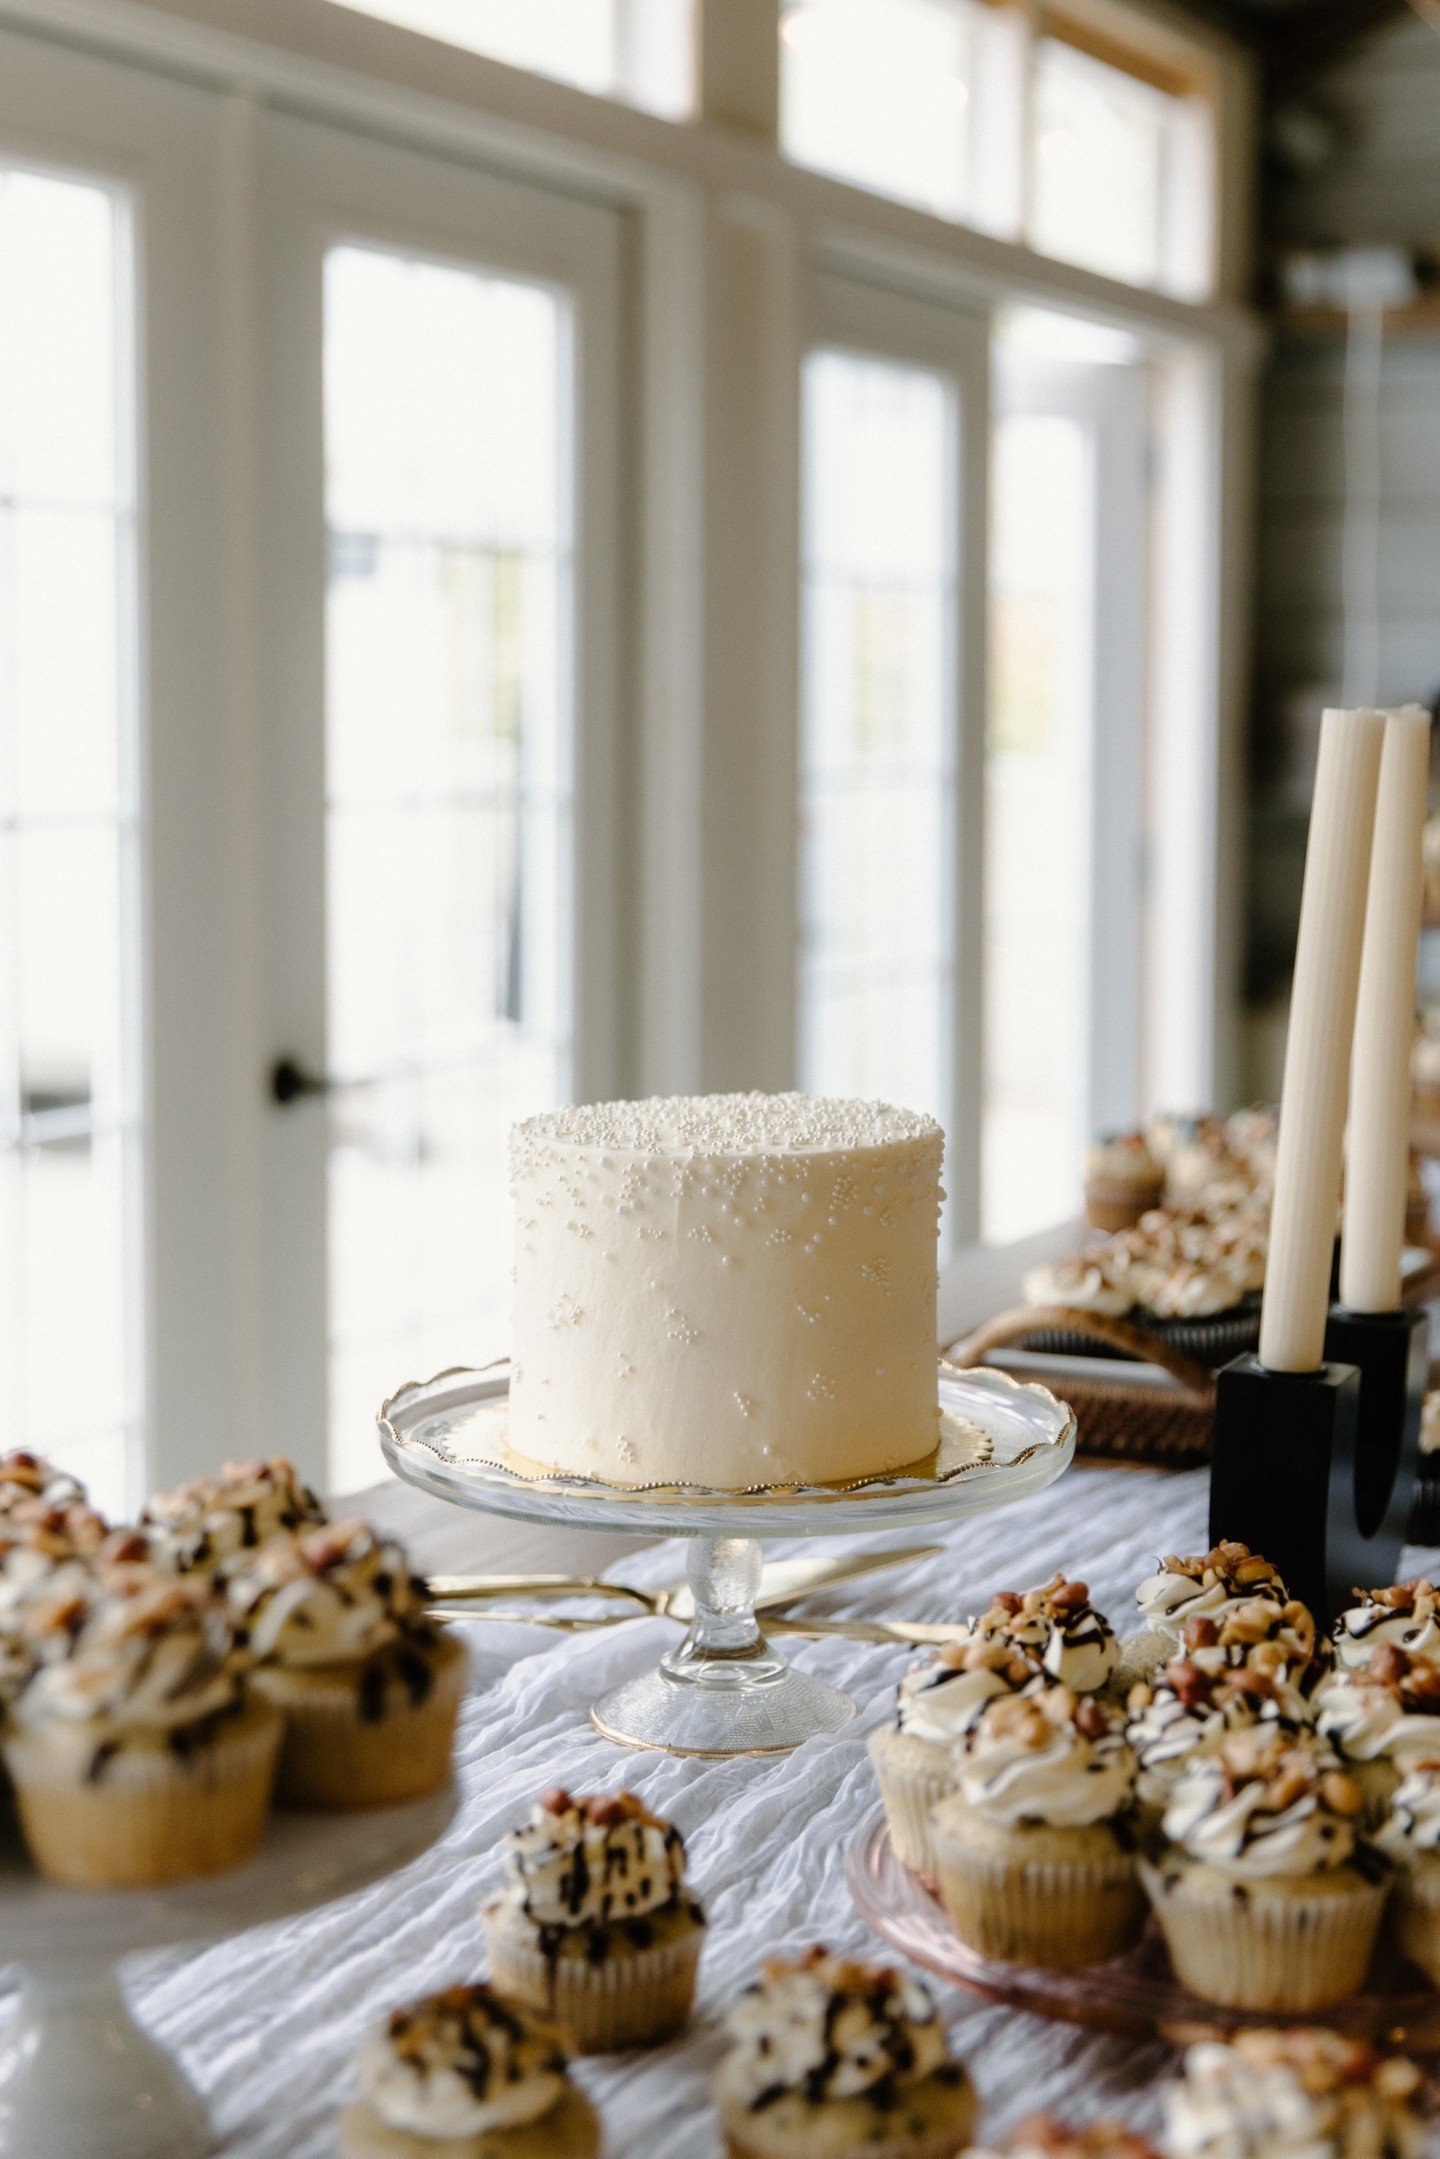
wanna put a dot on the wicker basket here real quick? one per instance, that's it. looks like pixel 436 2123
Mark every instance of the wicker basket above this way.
pixel 1121 1419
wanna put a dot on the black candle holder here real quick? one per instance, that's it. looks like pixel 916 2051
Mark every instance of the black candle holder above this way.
pixel 1283 1477
pixel 1392 1353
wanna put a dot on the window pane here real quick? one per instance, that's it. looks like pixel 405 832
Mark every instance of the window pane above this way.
pixel 920 99
pixel 876 796
pixel 1037 808
pixel 69 1103
pixel 640 50
pixel 448 814
pixel 1101 165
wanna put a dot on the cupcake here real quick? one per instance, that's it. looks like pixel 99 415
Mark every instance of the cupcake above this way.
pixel 1201 1161
pixel 136 1758
pixel 1425 1071
pixel 205 1525
pixel 1190 1704
pixel 1123 1180
pixel 28 1477
pixel 1252 1136
pixel 1380 1719
pixel 1033 1851
pixel 343 1644
pixel 937 1702
pixel 468 2074
pixel 1405 1616
pixel 1266 1896
pixel 1043 2137
pixel 1417 1203
pixel 596 1924
pixel 1213 1586
pixel 50 1562
pixel 1303 2094
pixel 1084 1281
pixel 1410 1836
pixel 1059 1626
pixel 837 2060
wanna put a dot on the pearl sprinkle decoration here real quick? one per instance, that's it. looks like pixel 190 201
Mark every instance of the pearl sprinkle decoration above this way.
pixel 669 1248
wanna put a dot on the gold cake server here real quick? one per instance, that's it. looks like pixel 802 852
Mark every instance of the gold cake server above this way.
pixel 782 1581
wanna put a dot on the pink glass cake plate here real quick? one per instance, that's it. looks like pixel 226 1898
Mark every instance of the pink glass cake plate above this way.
pixel 1136 1995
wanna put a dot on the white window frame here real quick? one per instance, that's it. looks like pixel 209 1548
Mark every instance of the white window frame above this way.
pixel 1109 403
pixel 723 239
pixel 83 117
pixel 870 323
pixel 320 187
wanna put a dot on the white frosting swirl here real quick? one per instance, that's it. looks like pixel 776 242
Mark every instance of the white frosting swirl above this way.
pixel 1367 1721
pixel 1310 2094
pixel 1413 1823
pixel 1172 1597
pixel 149 1656
pixel 830 2030
pixel 463 2063
pixel 334 1595
pixel 1029 1760
pixel 1166 1729
pixel 939 1702
pixel 1236 1825
pixel 26 1477
pixel 1057 1628
pixel 583 1863
pixel 1430 1423
pixel 1377 1621
pixel 210 1521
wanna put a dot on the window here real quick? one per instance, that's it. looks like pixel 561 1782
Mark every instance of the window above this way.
pixel 447 807
pixel 876 748
pixel 70 1133
pixel 944 103
pixel 1037 811
pixel 1063 754
pixel 1118 171
pixel 639 50
pixel 895 95
pixel 515 627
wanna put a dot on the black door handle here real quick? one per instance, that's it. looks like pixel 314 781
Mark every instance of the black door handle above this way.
pixel 289 1081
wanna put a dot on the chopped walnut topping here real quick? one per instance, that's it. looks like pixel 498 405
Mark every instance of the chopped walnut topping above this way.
pixel 1326 2062
pixel 1260 1754
pixel 1096 2140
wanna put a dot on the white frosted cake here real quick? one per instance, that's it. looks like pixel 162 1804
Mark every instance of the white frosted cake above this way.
pixel 725 1289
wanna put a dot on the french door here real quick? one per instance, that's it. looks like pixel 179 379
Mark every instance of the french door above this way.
pixel 1064 778
pixel 892 696
pixel 118 1288
pixel 439 587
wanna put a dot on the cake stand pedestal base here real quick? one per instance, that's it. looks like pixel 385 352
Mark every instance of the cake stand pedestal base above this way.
pixel 79 2079
pixel 724 1690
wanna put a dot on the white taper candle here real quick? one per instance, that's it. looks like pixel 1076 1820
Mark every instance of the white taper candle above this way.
pixel 1378 1147
pixel 1317 1043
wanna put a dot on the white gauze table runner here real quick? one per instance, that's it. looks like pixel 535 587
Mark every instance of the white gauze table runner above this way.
pixel 268 2024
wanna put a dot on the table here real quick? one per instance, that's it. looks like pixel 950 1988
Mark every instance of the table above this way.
pixel 268 2024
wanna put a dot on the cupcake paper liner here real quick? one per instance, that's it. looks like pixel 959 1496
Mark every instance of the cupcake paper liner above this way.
pixel 1416 1915
pixel 335 1760
pixel 932 2119
pixel 1266 1948
pixel 149 1818
pixel 635 1998
pixel 1055 1912
pixel 571 2130
pixel 913 1774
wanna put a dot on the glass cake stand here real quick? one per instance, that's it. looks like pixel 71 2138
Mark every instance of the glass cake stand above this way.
pixel 79 2078
pixel 724 1689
